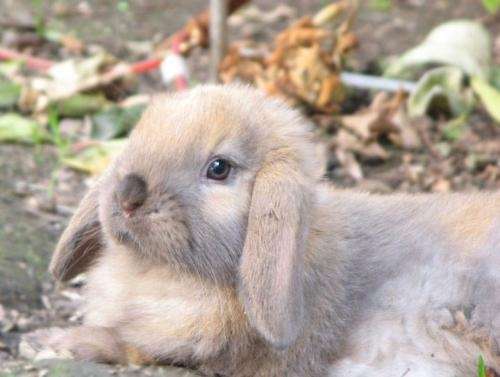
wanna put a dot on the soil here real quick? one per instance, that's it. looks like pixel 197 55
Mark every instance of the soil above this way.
pixel 37 195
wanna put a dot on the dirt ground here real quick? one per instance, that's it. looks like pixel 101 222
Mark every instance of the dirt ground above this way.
pixel 37 195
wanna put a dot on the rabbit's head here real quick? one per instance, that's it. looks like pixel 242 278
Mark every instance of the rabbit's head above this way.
pixel 216 182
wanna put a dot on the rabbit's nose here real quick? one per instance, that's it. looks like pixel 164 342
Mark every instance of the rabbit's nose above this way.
pixel 131 192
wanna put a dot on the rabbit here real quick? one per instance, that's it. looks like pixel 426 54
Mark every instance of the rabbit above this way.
pixel 215 243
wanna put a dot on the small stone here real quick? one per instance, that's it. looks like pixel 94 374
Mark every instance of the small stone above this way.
pixel 414 172
pixel 27 350
pixel 4 356
pixel 441 185
pixel 8 326
pixel 70 127
pixel 22 188
pixel 135 367
pixel 41 203
pixel 61 9
pixel 47 354
pixel 4 347
pixel 84 9
pixel 444 149
pixel 23 323
pixel 46 302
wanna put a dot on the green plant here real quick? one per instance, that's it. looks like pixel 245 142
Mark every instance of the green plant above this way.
pixel 62 144
pixel 382 5
pixel 39 17
pixel 491 6
pixel 56 136
pixel 123 6
pixel 481 367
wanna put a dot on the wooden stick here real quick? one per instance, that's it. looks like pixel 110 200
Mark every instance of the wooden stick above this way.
pixel 218 36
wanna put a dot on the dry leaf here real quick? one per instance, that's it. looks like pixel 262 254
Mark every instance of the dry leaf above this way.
pixel 350 164
pixel 386 116
pixel 405 134
pixel 329 13
pixel 303 66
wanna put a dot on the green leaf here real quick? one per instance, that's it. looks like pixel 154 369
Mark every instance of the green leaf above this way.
pixel 9 94
pixel 57 138
pixel 80 105
pixel 464 44
pixel 17 129
pixel 454 129
pixel 8 68
pixel 481 367
pixel 381 5
pixel 440 89
pixel 490 97
pixel 491 6
pixel 115 121
pixel 96 156
pixel 495 77
pixel 123 6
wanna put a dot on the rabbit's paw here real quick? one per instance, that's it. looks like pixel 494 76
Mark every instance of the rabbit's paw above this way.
pixel 82 343
pixel 36 345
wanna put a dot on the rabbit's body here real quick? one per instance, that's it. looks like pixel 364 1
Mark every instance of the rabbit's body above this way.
pixel 163 316
pixel 429 265
pixel 179 319
pixel 261 269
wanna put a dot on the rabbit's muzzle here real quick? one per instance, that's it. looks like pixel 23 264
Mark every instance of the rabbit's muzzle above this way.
pixel 131 193
pixel 145 218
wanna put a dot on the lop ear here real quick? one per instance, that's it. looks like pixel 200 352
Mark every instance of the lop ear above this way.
pixel 271 267
pixel 81 242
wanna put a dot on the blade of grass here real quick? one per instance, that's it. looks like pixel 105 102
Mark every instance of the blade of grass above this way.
pixel 481 367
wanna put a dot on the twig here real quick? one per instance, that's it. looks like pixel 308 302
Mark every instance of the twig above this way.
pixel 422 127
pixel 175 43
pixel 361 81
pixel 145 65
pixel 32 62
pixel 218 36
pixel 19 25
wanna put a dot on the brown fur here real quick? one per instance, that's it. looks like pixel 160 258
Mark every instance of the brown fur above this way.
pixel 480 215
pixel 264 274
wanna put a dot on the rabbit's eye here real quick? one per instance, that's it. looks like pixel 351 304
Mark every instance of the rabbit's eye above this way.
pixel 218 169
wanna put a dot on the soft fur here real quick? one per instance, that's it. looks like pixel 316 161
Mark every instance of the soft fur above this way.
pixel 272 272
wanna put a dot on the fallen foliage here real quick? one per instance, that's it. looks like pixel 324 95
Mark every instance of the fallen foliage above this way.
pixel 303 65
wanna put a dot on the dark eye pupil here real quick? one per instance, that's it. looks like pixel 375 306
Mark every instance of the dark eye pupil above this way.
pixel 218 169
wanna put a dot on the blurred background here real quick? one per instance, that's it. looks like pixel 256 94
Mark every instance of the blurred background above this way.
pixel 404 96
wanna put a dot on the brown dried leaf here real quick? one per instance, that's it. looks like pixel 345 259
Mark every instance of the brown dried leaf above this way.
pixel 385 116
pixel 349 163
pixel 362 124
pixel 300 67
pixel 345 43
pixel 72 43
pixel 404 134
pixel 329 13
pixel 235 66
pixel 368 150
pixel 330 88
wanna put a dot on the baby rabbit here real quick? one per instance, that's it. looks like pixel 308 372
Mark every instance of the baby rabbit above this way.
pixel 211 242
